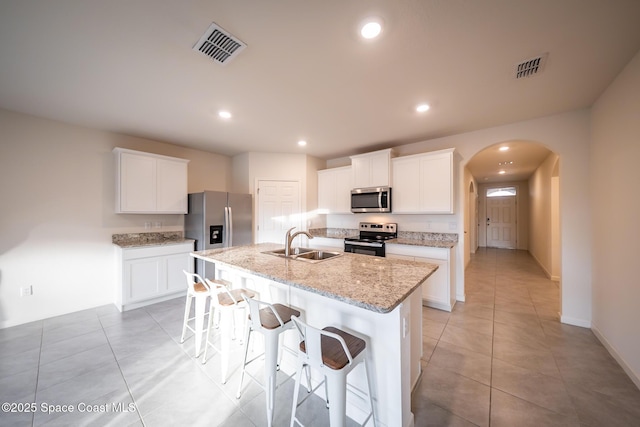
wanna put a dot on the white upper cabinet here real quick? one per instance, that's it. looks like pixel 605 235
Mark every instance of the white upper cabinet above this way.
pixel 372 169
pixel 150 183
pixel 334 190
pixel 172 186
pixel 423 183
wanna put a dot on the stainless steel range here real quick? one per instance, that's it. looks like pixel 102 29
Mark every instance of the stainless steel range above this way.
pixel 371 240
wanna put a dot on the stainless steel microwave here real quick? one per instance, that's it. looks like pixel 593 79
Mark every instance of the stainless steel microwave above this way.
pixel 375 199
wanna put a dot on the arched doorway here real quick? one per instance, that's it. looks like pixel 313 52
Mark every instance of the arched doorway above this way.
pixel 534 171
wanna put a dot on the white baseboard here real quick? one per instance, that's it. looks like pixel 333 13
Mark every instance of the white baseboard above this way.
pixel 546 272
pixel 437 305
pixel 575 322
pixel 633 375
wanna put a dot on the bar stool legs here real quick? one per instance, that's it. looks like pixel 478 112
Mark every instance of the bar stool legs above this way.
pixel 270 320
pixel 226 302
pixel 199 290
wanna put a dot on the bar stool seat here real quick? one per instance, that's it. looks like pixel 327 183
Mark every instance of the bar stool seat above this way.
pixel 270 320
pixel 334 353
pixel 225 302
pixel 222 301
pixel 233 296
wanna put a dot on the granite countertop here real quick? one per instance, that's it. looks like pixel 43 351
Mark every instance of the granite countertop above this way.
pixel 413 238
pixel 373 283
pixel 134 240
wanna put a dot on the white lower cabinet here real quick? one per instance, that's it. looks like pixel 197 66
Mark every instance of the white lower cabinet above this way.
pixel 439 291
pixel 151 274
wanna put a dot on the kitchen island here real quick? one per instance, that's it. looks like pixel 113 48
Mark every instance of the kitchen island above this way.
pixel 376 298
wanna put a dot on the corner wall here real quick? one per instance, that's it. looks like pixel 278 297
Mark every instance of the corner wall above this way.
pixel 57 184
pixel 614 179
pixel 541 221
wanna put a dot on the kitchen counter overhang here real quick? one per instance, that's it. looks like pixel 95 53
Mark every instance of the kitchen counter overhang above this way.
pixel 373 283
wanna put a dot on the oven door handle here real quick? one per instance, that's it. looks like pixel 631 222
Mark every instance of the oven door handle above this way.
pixel 373 245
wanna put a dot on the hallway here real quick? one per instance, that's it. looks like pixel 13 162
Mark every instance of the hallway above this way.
pixel 502 358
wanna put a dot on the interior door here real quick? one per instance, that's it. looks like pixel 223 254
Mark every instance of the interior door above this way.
pixel 278 210
pixel 501 222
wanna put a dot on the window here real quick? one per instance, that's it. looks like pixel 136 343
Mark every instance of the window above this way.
pixel 501 192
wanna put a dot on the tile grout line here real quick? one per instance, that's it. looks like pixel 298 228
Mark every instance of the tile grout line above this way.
pixel 115 358
pixel 35 392
pixel 493 327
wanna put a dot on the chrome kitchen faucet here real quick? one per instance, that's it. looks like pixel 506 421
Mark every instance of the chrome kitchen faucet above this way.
pixel 288 238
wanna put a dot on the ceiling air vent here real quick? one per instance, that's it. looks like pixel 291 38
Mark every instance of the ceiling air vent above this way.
pixel 219 45
pixel 531 67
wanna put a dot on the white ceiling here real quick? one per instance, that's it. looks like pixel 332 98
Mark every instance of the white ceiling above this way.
pixel 128 67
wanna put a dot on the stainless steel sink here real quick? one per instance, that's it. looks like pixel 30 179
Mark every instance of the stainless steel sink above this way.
pixel 305 254
pixel 317 255
pixel 294 251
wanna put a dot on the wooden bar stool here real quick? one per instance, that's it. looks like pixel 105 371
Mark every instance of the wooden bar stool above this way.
pixel 334 353
pixel 270 320
pixel 196 289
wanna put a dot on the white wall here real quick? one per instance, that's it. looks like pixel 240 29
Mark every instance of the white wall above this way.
pixel 614 179
pixel 471 216
pixel 541 221
pixel 567 135
pixel 249 168
pixel 57 186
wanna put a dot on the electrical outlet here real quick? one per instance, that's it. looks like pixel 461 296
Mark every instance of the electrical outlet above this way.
pixel 27 290
pixel 157 224
pixel 147 225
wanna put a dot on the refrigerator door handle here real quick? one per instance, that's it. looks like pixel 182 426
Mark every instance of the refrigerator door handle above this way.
pixel 225 242
pixel 230 226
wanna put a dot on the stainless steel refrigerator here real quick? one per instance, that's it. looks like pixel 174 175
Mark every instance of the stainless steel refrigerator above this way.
pixel 218 220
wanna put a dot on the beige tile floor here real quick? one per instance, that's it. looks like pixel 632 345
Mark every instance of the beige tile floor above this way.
pixel 502 358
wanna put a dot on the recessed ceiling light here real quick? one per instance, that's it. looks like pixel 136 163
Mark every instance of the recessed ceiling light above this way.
pixel 371 28
pixel 422 108
pixel 502 172
pixel 302 143
pixel 224 115
pixel 505 148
